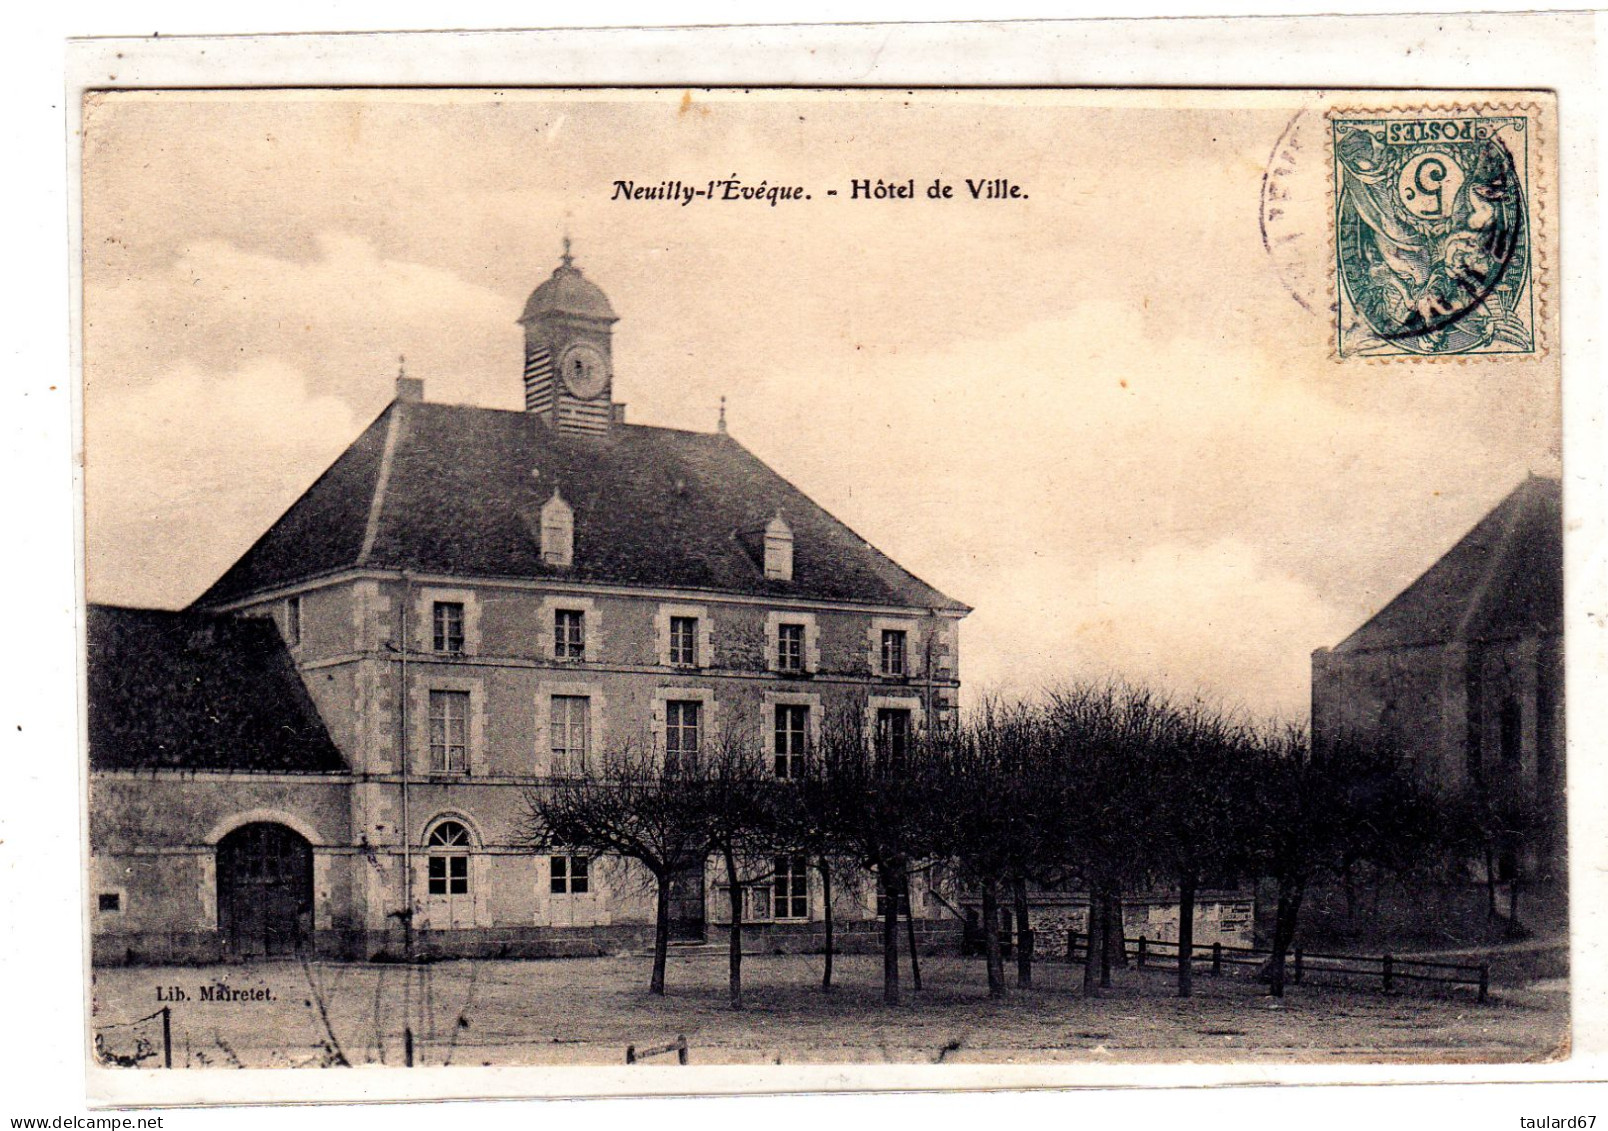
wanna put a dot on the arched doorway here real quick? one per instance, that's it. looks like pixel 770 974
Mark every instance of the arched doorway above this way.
pixel 265 890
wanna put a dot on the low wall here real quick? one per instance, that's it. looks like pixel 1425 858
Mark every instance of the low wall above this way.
pixel 206 947
pixel 854 936
pixel 1226 917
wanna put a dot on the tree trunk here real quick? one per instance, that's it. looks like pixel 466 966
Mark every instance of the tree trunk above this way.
pixel 734 938
pixel 1107 943
pixel 1116 942
pixel 910 935
pixel 826 897
pixel 1091 954
pixel 661 934
pixel 1024 934
pixel 1290 892
pixel 996 965
pixel 890 936
pixel 1490 882
pixel 1349 880
pixel 1186 933
pixel 1513 903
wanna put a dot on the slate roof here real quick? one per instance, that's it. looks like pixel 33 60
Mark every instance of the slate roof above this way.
pixel 196 692
pixel 462 487
pixel 1503 577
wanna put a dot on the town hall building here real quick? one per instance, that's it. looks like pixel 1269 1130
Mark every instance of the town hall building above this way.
pixel 339 736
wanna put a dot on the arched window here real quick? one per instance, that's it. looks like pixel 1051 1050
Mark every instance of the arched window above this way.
pixel 448 848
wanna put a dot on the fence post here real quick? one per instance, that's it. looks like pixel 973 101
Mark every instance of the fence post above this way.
pixel 1298 965
pixel 1071 945
pixel 1485 981
pixel 1387 973
pixel 681 1048
pixel 1143 949
pixel 630 1054
pixel 167 1034
pixel 1217 959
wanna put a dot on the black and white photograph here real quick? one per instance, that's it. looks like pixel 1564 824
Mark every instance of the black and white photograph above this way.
pixel 778 577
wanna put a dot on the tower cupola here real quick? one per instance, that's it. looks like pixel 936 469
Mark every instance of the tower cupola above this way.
pixel 569 357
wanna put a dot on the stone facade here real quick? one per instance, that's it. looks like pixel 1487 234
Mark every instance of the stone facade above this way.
pixel 155 832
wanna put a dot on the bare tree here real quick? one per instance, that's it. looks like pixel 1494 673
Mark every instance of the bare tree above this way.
pixel 883 797
pixel 808 821
pixel 634 808
pixel 1097 737
pixel 992 824
pixel 1203 769
pixel 1495 829
pixel 739 799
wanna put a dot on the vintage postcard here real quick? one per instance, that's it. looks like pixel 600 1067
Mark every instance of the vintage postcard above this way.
pixel 613 579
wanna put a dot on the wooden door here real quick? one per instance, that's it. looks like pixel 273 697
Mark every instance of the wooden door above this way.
pixel 687 903
pixel 265 891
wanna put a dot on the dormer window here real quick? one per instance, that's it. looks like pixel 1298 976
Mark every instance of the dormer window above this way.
pixel 778 549
pixel 558 532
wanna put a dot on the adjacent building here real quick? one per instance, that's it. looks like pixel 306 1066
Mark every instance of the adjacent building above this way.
pixel 1464 668
pixel 339 735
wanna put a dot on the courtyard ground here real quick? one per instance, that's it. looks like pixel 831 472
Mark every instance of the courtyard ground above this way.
pixel 587 1011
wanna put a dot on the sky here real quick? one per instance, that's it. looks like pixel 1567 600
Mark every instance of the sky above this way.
pixel 1104 413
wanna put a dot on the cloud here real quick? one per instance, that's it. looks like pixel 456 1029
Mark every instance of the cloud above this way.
pixel 1115 498
pixel 341 315
pixel 1215 618
pixel 184 473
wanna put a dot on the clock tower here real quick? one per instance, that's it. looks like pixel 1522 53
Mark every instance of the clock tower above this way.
pixel 569 357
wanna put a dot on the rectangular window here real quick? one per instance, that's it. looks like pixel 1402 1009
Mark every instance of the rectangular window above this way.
pixel 570 875
pixel 882 900
pixel 449 732
pixel 683 719
pixel 893 732
pixel 684 641
pixel 792 735
pixel 893 651
pixel 110 901
pixel 293 627
pixel 448 634
pixel 791 898
pixel 790 647
pixel 449 875
pixel 569 634
pixel 568 725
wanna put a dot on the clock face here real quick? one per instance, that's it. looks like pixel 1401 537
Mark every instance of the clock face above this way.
pixel 585 370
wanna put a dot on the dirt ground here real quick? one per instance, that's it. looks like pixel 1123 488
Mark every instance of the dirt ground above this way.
pixel 587 1011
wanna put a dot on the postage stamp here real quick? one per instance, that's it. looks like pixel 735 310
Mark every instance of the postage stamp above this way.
pixel 1433 240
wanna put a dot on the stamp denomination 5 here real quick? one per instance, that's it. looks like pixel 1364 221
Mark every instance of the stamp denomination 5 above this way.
pixel 1433 244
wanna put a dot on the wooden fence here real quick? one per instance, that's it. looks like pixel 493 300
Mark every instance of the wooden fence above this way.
pixel 634 1055
pixel 1334 969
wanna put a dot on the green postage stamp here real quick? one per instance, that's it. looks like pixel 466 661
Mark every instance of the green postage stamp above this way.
pixel 1433 238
